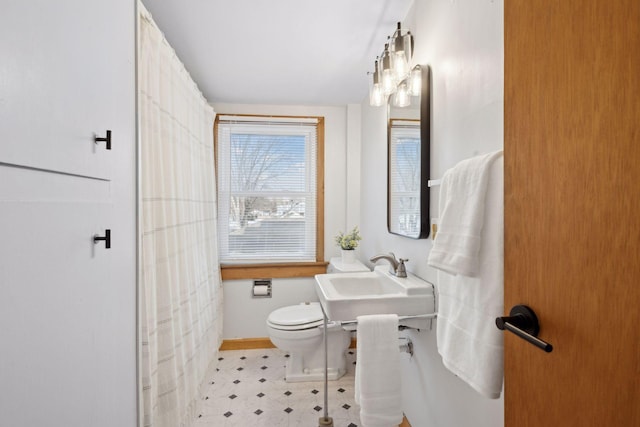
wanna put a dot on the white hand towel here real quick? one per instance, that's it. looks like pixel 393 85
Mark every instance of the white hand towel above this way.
pixel 378 387
pixel 470 344
pixel 462 204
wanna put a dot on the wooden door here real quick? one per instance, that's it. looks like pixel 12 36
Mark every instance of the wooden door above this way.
pixel 67 305
pixel 572 210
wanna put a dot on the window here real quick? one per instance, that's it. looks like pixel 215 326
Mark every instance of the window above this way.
pixel 269 203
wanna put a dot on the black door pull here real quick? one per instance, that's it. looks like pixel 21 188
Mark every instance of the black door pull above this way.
pixel 106 139
pixel 106 238
pixel 523 322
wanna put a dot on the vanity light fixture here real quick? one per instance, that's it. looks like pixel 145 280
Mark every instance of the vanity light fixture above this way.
pixel 392 70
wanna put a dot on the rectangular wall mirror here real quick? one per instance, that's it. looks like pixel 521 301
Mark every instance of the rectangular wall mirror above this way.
pixel 408 145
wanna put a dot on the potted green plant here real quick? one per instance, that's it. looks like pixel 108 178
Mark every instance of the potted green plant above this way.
pixel 348 243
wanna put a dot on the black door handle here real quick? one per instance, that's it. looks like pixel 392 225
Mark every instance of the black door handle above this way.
pixel 523 322
pixel 106 139
pixel 106 238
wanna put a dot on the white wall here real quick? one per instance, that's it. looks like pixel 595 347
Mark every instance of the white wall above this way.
pixel 462 41
pixel 244 316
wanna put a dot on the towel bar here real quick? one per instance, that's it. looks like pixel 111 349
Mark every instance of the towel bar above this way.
pixel 400 318
pixel 434 182
pixel 419 316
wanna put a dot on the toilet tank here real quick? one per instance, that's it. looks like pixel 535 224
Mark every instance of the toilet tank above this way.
pixel 337 266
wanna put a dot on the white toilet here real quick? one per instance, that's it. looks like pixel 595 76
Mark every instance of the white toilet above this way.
pixel 297 329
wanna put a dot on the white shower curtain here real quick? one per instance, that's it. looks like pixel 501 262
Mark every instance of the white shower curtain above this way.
pixel 181 294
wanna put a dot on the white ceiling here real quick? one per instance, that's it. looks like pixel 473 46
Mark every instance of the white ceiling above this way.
pixel 299 52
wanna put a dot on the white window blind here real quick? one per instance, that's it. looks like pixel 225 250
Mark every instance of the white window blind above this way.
pixel 267 189
pixel 404 216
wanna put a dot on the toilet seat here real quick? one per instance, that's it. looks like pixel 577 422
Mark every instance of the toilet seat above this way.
pixel 297 317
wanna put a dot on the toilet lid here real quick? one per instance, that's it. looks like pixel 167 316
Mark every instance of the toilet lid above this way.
pixel 307 315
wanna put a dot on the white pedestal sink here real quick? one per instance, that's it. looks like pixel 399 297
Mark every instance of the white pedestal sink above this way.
pixel 348 295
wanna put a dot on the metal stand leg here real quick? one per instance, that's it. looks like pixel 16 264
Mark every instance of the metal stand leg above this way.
pixel 326 421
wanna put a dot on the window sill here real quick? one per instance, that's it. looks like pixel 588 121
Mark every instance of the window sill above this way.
pixel 284 270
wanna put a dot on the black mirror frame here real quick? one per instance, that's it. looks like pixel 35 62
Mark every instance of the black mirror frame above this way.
pixel 425 156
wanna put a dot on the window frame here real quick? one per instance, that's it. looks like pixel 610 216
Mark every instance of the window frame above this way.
pixel 238 271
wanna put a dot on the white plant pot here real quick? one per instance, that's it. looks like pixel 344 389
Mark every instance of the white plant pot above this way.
pixel 348 256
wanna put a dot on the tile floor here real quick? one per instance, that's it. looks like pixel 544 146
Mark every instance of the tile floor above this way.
pixel 247 389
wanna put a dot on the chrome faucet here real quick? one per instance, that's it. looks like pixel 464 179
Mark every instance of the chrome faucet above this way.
pixel 396 266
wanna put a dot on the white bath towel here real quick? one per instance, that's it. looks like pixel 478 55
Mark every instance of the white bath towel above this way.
pixel 470 344
pixel 456 247
pixel 378 387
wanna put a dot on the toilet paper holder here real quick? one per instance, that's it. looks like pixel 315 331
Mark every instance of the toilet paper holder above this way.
pixel 261 288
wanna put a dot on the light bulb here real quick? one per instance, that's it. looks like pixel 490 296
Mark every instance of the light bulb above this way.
pixel 388 82
pixel 408 46
pixel 387 76
pixel 415 81
pixel 400 64
pixel 398 59
pixel 401 53
pixel 376 95
pixel 402 98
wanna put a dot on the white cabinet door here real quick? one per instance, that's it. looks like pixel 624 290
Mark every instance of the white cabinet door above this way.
pixel 67 305
pixel 62 65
